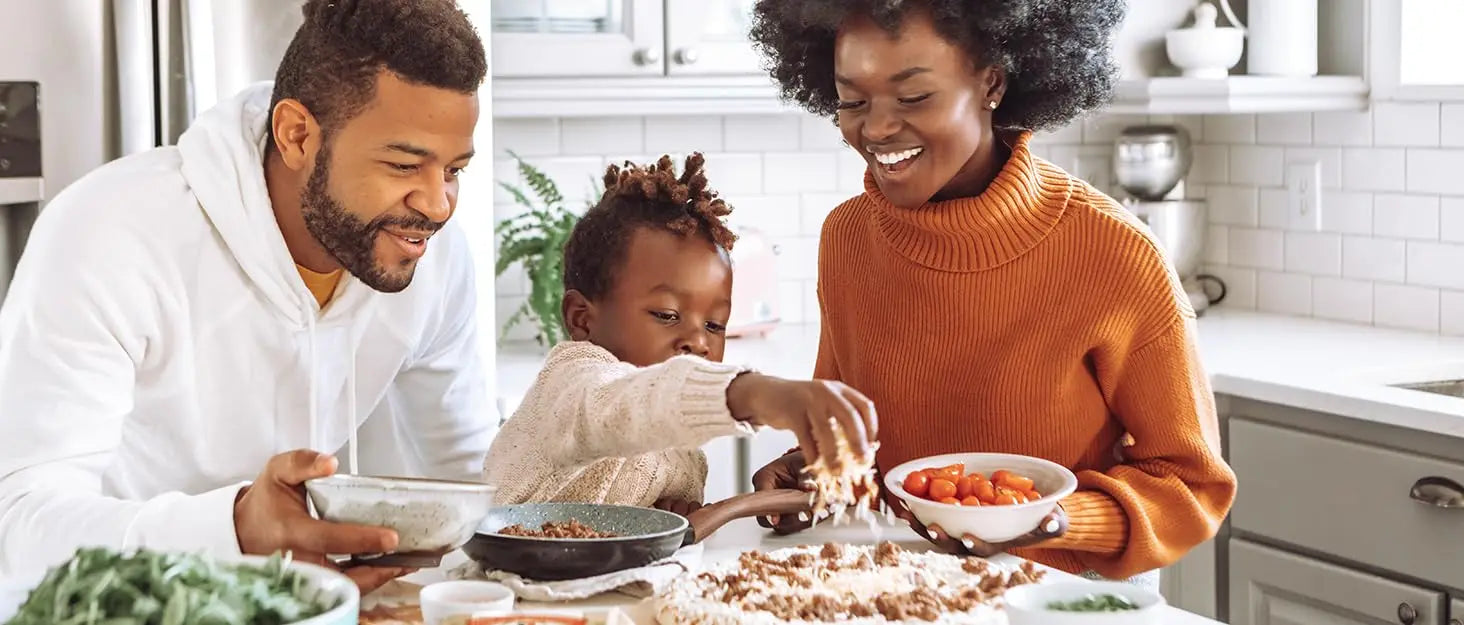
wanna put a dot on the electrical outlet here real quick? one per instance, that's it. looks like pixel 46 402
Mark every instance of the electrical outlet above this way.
pixel 1304 195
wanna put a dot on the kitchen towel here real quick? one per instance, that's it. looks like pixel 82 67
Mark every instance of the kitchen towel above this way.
pixel 638 582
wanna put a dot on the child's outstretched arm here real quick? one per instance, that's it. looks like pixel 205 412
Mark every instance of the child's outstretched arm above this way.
pixel 587 405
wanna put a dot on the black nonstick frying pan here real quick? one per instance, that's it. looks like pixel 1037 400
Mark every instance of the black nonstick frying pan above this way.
pixel 644 535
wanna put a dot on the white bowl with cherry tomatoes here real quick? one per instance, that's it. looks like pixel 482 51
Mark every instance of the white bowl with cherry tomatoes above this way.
pixel 994 497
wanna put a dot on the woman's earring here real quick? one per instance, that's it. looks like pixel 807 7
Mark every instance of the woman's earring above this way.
pixel 991 105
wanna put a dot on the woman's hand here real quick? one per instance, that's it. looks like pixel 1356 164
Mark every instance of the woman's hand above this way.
pixel 785 472
pixel 1052 526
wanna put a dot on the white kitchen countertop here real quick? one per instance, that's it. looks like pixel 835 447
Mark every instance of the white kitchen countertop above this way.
pixel 1304 363
pixel 745 535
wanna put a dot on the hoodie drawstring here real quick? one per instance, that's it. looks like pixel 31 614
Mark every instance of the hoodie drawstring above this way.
pixel 351 401
pixel 310 333
pixel 352 457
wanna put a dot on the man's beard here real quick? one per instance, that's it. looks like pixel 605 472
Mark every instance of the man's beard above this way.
pixel 351 241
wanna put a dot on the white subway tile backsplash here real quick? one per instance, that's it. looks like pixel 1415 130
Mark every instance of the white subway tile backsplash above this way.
pixel 1330 158
pixel 1217 244
pixel 1283 293
pixel 1193 124
pixel 1240 285
pixel 1284 129
pixel 811 309
pixel 525 137
pixel 775 215
pixel 1232 129
pixel 790 301
pixel 1211 164
pixel 1103 128
pixel 1451 219
pixel 1342 300
pixel 1260 249
pixel 796 172
pixel 1233 205
pixel 762 133
pixel 1374 259
pixel 735 174
pixel 504 307
pixel 576 176
pixel 1274 213
pixel 797 258
pixel 1436 264
pixel 1406 216
pixel 1451 312
pixel 816 208
pixel 1407 124
pixel 1406 307
pixel 852 167
pixel 1436 171
pixel 820 134
pixel 1257 165
pixel 683 134
pixel 1346 212
pixel 601 135
pixel 1350 128
pixel 1069 134
pixel 1373 169
pixel 513 281
pixel 1451 122
pixel 1314 253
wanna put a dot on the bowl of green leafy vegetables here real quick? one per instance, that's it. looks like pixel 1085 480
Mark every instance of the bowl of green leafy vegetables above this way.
pixel 99 585
pixel 1082 602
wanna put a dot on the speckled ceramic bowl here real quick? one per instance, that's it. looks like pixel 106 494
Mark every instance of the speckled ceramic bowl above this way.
pixel 431 517
pixel 645 535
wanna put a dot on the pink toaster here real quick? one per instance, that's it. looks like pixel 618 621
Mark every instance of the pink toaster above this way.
pixel 754 285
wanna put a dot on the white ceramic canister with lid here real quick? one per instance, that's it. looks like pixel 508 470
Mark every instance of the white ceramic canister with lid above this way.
pixel 1281 35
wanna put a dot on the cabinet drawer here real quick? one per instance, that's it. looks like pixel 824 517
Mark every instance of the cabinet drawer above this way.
pixel 1347 499
pixel 1273 587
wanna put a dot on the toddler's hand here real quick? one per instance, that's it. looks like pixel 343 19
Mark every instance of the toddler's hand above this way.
pixel 818 412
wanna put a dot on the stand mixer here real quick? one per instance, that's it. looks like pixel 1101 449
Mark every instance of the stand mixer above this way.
pixel 1149 161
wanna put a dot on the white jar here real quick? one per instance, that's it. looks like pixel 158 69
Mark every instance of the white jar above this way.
pixel 1282 37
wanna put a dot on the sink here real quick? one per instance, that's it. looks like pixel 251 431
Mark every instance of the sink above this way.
pixel 1451 388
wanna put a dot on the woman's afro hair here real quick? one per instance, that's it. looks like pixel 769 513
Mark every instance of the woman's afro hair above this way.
pixel 1057 54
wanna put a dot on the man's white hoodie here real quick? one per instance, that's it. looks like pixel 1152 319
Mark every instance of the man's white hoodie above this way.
pixel 158 345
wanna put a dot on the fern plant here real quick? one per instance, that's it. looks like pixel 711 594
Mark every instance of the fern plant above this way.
pixel 536 239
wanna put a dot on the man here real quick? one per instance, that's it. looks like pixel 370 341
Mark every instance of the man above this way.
pixel 184 318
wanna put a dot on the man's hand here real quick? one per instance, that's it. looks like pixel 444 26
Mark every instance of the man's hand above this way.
pixel 270 515
pixel 818 412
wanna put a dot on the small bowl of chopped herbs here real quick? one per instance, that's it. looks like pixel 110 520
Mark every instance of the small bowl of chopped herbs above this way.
pixel 99 585
pixel 1083 603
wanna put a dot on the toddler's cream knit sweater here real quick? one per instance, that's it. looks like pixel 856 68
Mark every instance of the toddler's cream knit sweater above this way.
pixel 595 429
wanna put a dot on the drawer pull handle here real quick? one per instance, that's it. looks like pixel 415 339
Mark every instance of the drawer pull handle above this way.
pixel 1438 491
pixel 1407 614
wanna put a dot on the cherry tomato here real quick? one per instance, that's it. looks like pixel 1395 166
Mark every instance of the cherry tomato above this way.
pixel 970 501
pixel 951 500
pixel 917 484
pixel 1015 482
pixel 942 488
pixel 985 492
pixel 964 487
pixel 951 473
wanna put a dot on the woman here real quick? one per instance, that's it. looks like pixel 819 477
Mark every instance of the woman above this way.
pixel 984 299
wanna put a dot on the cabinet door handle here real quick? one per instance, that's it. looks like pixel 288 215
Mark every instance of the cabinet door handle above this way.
pixel 1438 491
pixel 647 56
pixel 1407 614
pixel 686 56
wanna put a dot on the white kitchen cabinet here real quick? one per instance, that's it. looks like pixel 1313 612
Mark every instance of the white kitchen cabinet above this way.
pixel 622 38
pixel 1456 612
pixel 1273 587
pixel 556 38
pixel 709 38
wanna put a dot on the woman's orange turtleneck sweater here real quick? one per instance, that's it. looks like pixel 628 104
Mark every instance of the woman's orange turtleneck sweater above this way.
pixel 1038 318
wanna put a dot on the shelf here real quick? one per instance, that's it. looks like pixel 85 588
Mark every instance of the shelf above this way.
pixel 602 97
pixel 1240 94
pixel 733 95
pixel 21 190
